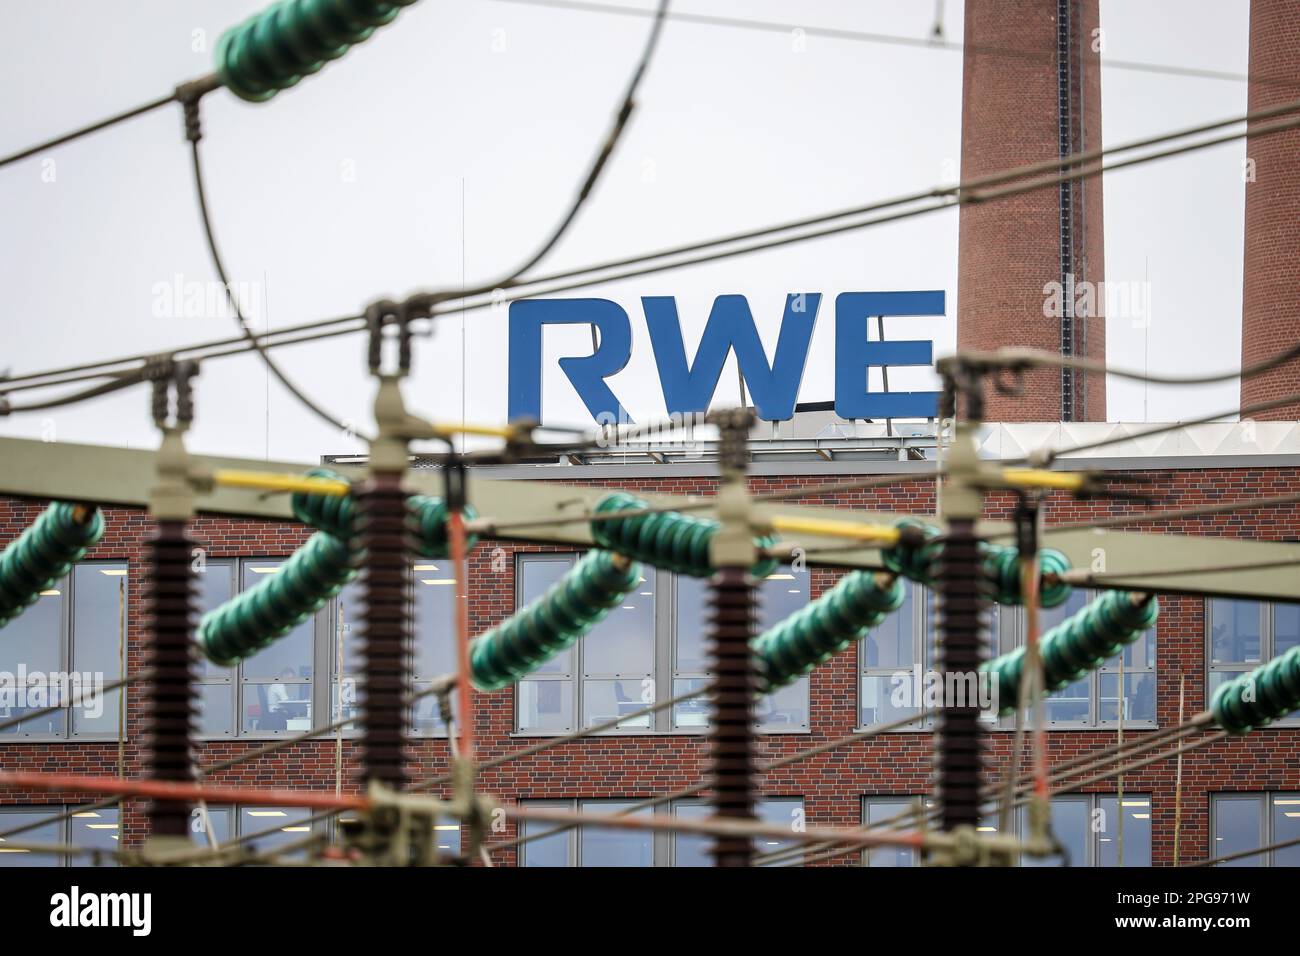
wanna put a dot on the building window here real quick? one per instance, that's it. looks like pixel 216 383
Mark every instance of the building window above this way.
pixel 1094 700
pixel 93 829
pixel 433 599
pixel 1248 821
pixel 1087 826
pixel 276 827
pixel 652 642
pixel 269 693
pixel 1241 635
pixel 61 648
pixel 593 846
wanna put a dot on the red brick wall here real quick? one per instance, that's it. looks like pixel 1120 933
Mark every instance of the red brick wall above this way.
pixel 1010 248
pixel 1270 317
pixel 832 784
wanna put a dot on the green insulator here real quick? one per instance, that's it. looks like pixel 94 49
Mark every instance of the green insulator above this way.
pixel 274 49
pixel 1077 645
pixel 567 611
pixel 666 539
pixel 429 523
pixel 825 627
pixel 313 575
pixel 334 514
pixel 45 552
pixel 916 563
pixel 1259 697
pixel 337 515
pixel 1001 565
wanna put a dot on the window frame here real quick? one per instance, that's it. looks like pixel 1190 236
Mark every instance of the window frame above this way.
pixel 1267 651
pixel 235 566
pixel 663 844
pixel 1266 802
pixel 1013 637
pixel 67 656
pixel 66 832
pixel 1091 803
pixel 664 661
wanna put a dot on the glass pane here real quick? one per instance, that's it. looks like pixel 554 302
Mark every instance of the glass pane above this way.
pixel 1286 627
pixel 446 836
pixel 552 850
pixel 97 829
pixel 218 819
pixel 1137 831
pixel 606 700
pixel 1237 827
pixel 536 576
pixel 1139 697
pixel 885 699
pixel 784 710
pixel 781 593
pixel 217 715
pixel 689 849
pixel 1069 704
pixel 881 809
pixel 287 825
pixel 287 657
pixel 98 609
pixel 1286 826
pixel 694 712
pixel 216 709
pixel 692 652
pixel 1070 824
pixel 427 716
pixel 892 644
pixel 10 855
pixel 783 812
pixel 601 847
pixel 435 632
pixel 347 628
pixel 32 639
pixel 277 706
pixel 1049 617
pixel 1234 631
pixel 623 644
pixel 545 704
pixel 16 702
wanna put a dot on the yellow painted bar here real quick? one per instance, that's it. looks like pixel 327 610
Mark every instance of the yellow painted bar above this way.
pixel 1037 478
pixel 490 431
pixel 270 481
pixel 829 528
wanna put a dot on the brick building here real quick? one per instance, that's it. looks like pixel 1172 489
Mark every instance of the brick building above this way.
pixel 649 650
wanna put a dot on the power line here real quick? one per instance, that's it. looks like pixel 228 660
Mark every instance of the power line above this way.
pixel 970 191
pixel 894 39
pixel 87 130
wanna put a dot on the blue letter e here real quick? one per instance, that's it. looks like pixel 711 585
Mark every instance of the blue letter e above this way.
pixel 854 354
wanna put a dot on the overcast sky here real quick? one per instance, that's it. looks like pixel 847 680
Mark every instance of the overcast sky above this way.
pixel 441 150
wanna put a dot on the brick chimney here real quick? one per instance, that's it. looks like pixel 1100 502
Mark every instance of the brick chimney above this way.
pixel 1270 309
pixel 1031 91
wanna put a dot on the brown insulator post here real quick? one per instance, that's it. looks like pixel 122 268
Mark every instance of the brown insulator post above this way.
pixel 386 629
pixel 959 741
pixel 169 711
pixel 959 738
pixel 732 624
pixel 170 611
